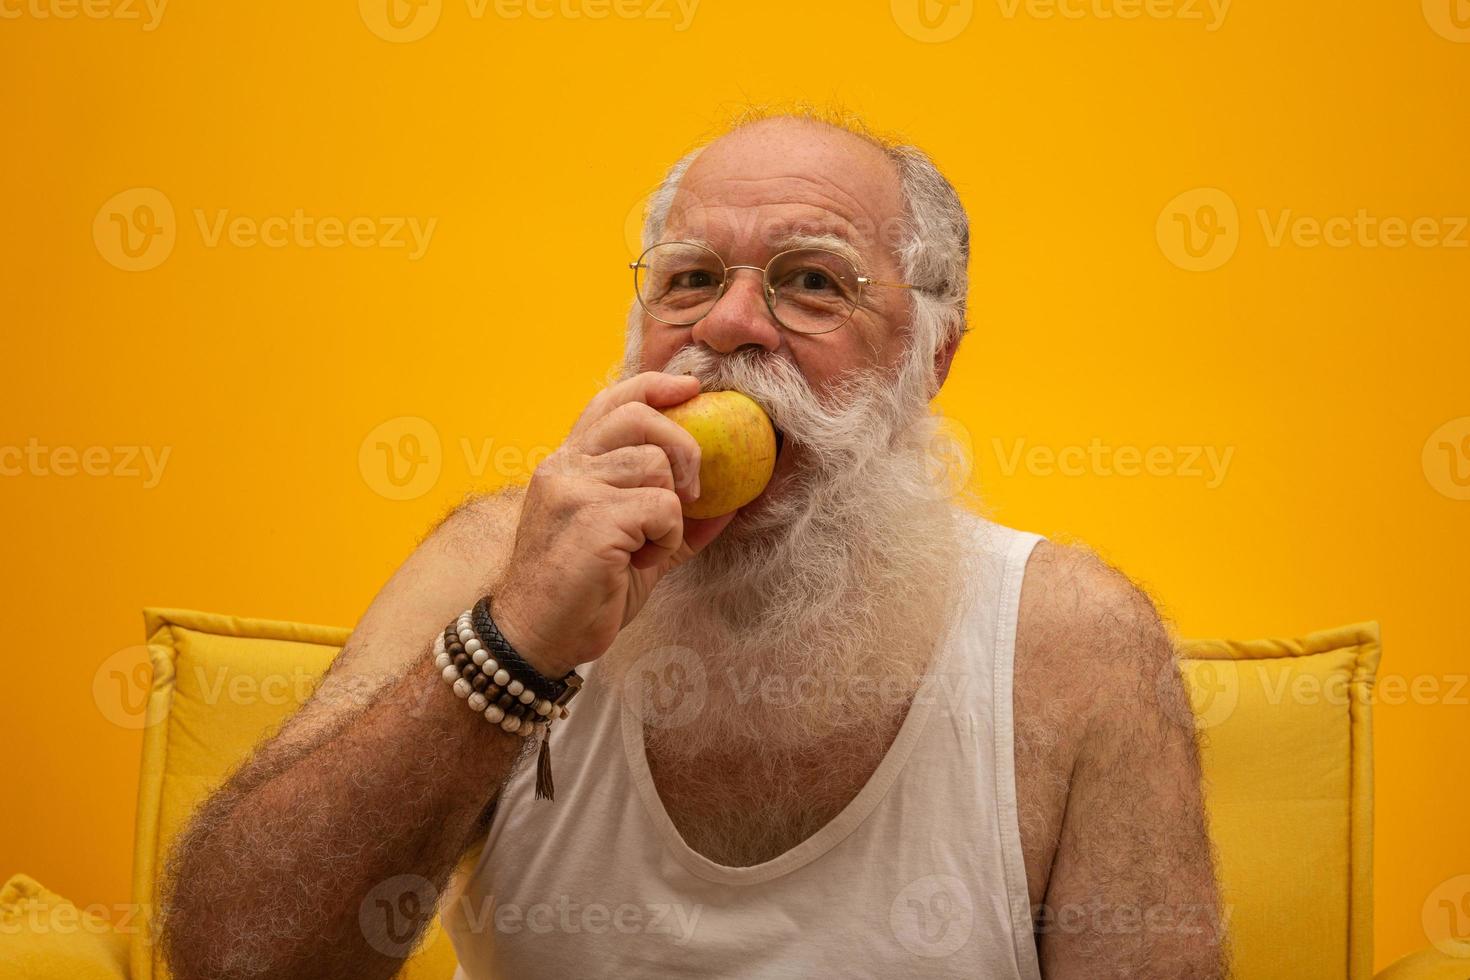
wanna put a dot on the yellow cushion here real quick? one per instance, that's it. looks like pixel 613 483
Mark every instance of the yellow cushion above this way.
pixel 1286 743
pixel 220 685
pixel 45 937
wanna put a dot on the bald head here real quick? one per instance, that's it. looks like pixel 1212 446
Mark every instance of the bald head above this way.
pixel 777 178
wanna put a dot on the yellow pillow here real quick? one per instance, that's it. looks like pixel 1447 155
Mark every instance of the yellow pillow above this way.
pixel 1286 747
pixel 45 937
pixel 220 685
pixel 1287 754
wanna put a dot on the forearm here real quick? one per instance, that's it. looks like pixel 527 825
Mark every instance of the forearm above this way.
pixel 271 877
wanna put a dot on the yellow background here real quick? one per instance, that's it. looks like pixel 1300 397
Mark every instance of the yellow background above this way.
pixel 531 141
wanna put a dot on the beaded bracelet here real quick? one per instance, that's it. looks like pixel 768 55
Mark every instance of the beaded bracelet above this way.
pixel 508 691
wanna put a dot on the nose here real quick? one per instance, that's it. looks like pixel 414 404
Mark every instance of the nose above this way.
pixel 740 317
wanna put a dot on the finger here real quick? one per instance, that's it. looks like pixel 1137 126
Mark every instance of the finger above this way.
pixel 654 388
pixel 660 524
pixel 634 424
pixel 698 532
pixel 645 465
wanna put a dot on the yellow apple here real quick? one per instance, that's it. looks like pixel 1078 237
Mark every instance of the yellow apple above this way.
pixel 737 446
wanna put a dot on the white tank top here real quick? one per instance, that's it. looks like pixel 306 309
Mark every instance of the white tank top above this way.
pixel 920 875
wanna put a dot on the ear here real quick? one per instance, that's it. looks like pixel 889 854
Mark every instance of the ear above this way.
pixel 944 356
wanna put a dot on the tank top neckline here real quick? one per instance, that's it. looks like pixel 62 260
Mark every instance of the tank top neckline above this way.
pixel 848 819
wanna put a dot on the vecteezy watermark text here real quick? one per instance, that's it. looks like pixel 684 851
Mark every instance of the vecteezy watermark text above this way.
pixel 1210 13
pixel 136 230
pixel 406 21
pixel 123 462
pixel 1097 458
pixel 303 230
pixel 149 13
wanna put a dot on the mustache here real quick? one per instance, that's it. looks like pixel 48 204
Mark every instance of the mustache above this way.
pixel 802 414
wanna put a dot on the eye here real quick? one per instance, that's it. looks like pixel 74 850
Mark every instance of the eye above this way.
pixel 814 279
pixel 809 279
pixel 813 275
pixel 693 279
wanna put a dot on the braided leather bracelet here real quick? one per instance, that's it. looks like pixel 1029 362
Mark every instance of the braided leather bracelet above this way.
pixel 500 648
pixel 496 681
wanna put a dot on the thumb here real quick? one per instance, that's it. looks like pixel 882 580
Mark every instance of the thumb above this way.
pixel 699 532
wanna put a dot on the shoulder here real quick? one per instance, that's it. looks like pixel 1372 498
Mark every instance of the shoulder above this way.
pixel 1087 635
pixel 1077 608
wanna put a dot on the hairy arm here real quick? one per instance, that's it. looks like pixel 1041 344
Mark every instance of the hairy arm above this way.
pixel 1118 851
pixel 379 784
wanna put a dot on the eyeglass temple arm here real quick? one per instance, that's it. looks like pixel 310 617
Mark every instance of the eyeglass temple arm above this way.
pixel 868 281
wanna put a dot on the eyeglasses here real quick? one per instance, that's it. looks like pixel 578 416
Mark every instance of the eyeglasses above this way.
pixel 808 290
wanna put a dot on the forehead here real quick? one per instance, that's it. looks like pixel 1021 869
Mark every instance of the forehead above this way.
pixel 778 178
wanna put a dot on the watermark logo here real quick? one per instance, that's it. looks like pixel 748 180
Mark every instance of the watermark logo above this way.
pixel 1209 464
pixel 400 21
pixel 1446 917
pixel 1211 692
pixel 118 462
pixel 301 230
pixel 1210 13
pixel 1099 918
pixel 394 911
pixel 947 454
pixel 678 13
pixel 1199 229
pixel 121 685
pixel 667 687
pixel 35 914
pixel 933 916
pixel 135 229
pixel 1450 19
pixel 932 21
pixel 400 459
pixel 674 921
pixel 508 461
pixel 1303 688
pixel 1362 229
pixel 1446 458
pixel 404 21
pixel 148 13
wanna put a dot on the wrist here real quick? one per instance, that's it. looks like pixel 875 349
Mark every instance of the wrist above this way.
pixel 474 656
pixel 520 632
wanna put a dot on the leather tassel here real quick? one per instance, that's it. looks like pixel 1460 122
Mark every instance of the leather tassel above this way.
pixel 544 789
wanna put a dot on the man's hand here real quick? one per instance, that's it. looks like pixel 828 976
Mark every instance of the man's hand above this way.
pixel 602 523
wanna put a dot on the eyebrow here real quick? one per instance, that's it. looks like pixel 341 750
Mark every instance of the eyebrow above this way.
pixel 829 241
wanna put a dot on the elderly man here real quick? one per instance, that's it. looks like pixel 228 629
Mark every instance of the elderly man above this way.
pixel 851 729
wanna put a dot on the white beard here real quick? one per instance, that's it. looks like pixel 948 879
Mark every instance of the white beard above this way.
pixel 808 622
